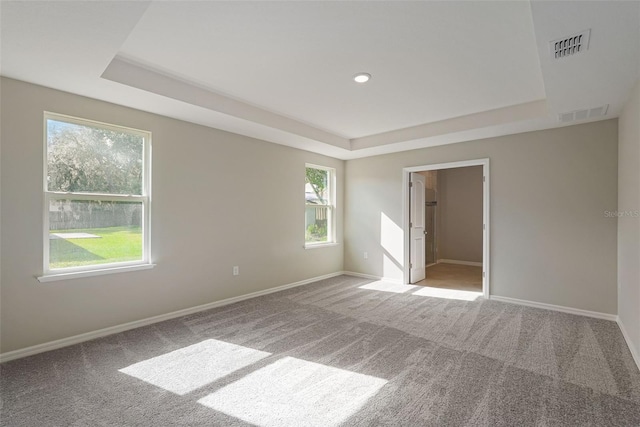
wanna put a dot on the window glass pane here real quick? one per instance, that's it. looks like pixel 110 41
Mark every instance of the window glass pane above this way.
pixel 86 159
pixel 317 222
pixel 93 232
pixel 317 186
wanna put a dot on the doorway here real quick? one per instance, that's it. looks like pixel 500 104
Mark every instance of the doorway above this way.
pixel 423 209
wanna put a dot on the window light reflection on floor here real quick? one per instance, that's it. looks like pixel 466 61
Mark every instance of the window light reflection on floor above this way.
pixel 189 368
pixel 383 286
pixel 293 392
pixel 447 293
pixel 424 291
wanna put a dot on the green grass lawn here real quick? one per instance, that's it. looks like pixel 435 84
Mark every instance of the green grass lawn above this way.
pixel 116 244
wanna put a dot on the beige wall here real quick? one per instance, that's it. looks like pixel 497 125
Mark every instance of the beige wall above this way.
pixel 550 240
pixel 460 214
pixel 219 200
pixel 629 221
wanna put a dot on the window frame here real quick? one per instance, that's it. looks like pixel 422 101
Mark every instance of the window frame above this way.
pixel 331 208
pixel 52 274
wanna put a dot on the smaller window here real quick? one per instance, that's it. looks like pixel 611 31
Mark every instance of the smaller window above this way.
pixel 320 205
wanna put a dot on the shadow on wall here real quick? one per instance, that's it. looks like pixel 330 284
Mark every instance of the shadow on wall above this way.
pixel 391 241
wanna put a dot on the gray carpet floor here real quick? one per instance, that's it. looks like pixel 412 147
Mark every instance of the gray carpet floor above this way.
pixel 334 353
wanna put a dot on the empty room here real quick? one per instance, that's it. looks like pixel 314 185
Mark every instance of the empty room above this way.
pixel 313 213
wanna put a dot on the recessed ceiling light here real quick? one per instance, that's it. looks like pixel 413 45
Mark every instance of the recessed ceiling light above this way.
pixel 362 77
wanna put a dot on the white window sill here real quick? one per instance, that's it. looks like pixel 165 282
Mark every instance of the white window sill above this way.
pixel 320 245
pixel 89 273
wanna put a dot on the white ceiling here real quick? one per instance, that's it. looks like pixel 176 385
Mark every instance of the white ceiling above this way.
pixel 443 72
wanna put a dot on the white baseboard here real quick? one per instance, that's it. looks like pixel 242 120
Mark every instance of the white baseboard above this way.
pixel 372 277
pixel 570 310
pixel 76 339
pixel 632 349
pixel 455 261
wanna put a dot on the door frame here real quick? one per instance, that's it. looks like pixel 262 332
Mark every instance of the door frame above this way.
pixel 406 174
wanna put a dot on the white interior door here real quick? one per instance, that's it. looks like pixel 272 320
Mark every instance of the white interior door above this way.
pixel 417 228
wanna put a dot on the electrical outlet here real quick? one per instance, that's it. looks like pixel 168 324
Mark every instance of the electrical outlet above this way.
pixel 236 270
pixel 366 255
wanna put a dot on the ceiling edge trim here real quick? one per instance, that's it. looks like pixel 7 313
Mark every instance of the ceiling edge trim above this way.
pixel 514 113
pixel 137 76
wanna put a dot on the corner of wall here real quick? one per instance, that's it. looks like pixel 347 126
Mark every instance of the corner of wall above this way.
pixel 628 216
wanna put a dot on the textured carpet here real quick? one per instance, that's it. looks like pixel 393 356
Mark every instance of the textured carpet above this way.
pixel 333 353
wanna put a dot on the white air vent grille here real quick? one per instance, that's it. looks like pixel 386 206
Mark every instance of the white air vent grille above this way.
pixel 570 46
pixel 576 115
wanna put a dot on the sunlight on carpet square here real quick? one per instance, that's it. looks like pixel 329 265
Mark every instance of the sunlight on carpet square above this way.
pixel 293 392
pixel 195 366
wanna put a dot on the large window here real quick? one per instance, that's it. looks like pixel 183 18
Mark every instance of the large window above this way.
pixel 96 195
pixel 320 205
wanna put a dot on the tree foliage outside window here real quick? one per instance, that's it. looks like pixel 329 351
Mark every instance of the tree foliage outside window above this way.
pixel 317 179
pixel 85 159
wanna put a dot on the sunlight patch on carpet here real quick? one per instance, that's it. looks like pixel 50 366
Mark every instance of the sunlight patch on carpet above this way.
pixel 292 392
pixel 448 294
pixel 189 368
pixel 383 286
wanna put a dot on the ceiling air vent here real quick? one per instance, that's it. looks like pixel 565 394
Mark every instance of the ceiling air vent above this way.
pixel 570 46
pixel 573 116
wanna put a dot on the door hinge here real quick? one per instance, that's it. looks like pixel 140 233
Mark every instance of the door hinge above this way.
pixel 484 226
pixel 410 225
pixel 410 265
pixel 410 184
pixel 484 179
pixel 483 274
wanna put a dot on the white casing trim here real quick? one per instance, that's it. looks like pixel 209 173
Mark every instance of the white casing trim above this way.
pixel 455 261
pixel 486 214
pixel 96 272
pixel 87 336
pixel 373 277
pixel 634 353
pixel 570 310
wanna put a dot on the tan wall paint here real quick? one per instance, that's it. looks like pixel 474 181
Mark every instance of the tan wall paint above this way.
pixel 219 200
pixel 550 240
pixel 460 214
pixel 629 225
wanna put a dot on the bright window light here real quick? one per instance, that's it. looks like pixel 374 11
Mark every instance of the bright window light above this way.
pixel 293 392
pixel 192 367
pixel 448 294
pixel 391 268
pixel 383 286
pixel 391 238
